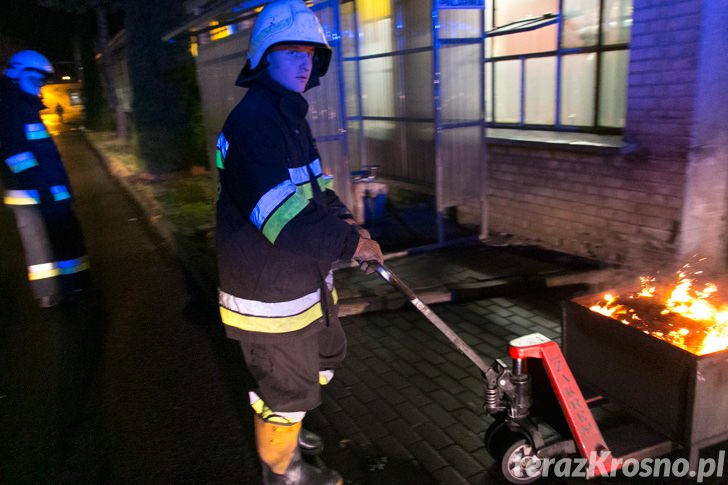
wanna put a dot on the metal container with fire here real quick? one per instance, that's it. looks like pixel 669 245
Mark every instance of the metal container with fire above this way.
pixel 661 355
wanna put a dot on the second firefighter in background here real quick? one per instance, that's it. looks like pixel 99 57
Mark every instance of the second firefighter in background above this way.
pixel 280 226
pixel 36 187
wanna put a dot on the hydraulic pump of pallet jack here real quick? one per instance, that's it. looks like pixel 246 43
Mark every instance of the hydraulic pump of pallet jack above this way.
pixel 507 391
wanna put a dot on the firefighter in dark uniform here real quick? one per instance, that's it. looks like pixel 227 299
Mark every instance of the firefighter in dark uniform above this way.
pixel 36 187
pixel 279 228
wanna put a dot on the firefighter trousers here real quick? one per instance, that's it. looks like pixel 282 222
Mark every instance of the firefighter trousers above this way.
pixel 54 247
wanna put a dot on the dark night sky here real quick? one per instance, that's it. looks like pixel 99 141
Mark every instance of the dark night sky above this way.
pixel 26 25
pixel 47 31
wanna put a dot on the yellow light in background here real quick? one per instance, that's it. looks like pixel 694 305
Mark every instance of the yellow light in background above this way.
pixel 66 78
pixel 220 32
pixel 193 46
pixel 370 10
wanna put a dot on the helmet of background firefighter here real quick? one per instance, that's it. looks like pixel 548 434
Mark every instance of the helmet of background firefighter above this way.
pixel 30 69
pixel 285 22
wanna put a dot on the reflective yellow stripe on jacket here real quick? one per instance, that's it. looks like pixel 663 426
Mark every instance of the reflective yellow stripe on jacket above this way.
pixel 276 317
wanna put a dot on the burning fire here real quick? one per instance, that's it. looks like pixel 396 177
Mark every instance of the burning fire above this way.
pixel 685 315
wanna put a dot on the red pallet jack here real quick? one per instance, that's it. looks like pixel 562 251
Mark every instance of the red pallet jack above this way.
pixel 539 375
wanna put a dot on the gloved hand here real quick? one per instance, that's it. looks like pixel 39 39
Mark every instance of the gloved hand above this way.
pixel 367 250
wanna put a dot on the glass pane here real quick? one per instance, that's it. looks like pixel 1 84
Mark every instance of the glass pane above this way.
pixel 352 93
pixel 613 88
pixel 578 76
pixel 461 166
pixel 489 92
pixel 377 86
pixel 418 100
pixel 348 32
pixel 508 11
pixel 539 40
pixel 382 146
pixel 460 82
pixel 353 132
pixel 458 23
pixel 581 23
pixel 375 26
pixel 508 91
pixel 540 99
pixel 420 159
pixel 416 24
pixel 617 21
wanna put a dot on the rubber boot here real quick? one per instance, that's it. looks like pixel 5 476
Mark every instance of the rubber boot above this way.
pixel 281 458
pixel 310 443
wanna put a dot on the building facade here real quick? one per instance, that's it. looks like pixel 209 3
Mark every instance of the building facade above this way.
pixel 591 127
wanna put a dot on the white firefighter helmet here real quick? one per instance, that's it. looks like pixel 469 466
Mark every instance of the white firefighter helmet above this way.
pixel 29 69
pixel 285 22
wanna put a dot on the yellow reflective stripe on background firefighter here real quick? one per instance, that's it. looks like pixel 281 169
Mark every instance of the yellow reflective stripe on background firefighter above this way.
pixel 21 161
pixel 273 317
pixel 36 131
pixel 276 209
pixel 58 268
pixel 21 197
pixel 42 271
pixel 71 266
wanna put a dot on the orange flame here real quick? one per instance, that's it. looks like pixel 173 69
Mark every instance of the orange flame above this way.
pixel 705 331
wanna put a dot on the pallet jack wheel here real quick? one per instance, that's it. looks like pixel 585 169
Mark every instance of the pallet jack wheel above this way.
pixel 520 464
pixel 514 452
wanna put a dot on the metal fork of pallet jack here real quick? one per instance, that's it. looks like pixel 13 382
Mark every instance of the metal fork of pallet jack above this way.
pixel 506 390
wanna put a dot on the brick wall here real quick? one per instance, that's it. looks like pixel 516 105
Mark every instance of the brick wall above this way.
pixel 663 66
pixel 599 205
pixel 615 205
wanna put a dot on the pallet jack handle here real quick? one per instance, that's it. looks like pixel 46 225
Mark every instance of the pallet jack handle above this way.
pixel 459 343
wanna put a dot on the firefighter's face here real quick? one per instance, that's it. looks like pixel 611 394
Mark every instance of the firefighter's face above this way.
pixel 290 66
pixel 31 81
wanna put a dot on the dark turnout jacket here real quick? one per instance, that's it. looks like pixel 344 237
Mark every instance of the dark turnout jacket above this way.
pixel 279 224
pixel 32 169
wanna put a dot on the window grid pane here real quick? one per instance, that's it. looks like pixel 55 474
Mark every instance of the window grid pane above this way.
pixel 508 91
pixel 540 78
pixel 617 21
pixel 578 77
pixel 613 88
pixel 580 23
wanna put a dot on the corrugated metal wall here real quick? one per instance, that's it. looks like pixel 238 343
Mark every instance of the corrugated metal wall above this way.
pixel 218 65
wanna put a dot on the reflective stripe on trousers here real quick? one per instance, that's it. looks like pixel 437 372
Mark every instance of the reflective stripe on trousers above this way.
pixel 283 417
pixel 54 249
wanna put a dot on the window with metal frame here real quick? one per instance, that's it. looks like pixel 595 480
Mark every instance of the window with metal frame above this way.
pixel 557 64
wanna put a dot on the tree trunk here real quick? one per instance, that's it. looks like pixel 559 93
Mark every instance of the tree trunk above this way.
pixel 168 132
pixel 107 80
